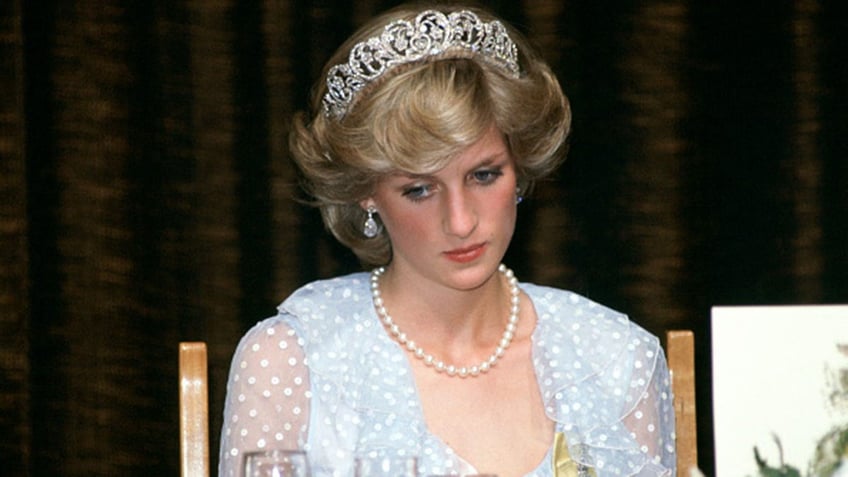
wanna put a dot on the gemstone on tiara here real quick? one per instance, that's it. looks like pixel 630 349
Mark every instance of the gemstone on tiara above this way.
pixel 432 33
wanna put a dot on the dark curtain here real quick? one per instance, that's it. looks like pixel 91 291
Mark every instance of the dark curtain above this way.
pixel 148 198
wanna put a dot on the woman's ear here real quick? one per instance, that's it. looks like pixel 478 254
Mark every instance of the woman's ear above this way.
pixel 367 203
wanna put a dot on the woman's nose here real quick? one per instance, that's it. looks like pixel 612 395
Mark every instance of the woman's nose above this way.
pixel 460 214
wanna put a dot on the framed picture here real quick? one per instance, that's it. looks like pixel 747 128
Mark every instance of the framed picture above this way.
pixel 780 390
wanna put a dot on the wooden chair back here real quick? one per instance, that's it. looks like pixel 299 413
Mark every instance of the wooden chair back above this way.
pixel 194 410
pixel 680 347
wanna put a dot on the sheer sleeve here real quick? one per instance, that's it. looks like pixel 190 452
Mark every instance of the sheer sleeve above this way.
pixel 651 421
pixel 267 402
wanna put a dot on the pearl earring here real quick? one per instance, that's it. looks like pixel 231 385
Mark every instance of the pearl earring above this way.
pixel 371 228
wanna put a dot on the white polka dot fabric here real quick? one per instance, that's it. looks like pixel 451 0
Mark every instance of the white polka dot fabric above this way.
pixel 324 376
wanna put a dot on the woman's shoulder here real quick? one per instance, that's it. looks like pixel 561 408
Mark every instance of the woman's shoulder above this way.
pixel 316 305
pixel 576 314
pixel 352 288
pixel 576 337
pixel 327 304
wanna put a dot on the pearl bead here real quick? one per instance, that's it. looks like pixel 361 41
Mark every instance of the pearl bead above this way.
pixel 428 359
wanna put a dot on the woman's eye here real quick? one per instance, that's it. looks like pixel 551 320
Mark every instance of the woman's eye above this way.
pixel 417 192
pixel 486 176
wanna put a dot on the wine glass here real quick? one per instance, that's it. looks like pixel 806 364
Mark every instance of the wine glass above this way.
pixel 385 466
pixel 276 463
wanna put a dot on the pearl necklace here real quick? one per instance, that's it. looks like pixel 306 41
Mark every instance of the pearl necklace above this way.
pixel 429 360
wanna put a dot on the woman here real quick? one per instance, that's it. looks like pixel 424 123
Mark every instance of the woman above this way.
pixel 427 127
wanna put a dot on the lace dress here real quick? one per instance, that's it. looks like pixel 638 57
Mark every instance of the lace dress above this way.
pixel 324 376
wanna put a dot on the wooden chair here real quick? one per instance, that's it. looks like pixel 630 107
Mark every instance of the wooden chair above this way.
pixel 680 347
pixel 194 411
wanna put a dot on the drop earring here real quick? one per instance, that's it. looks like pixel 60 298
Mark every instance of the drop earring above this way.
pixel 371 228
pixel 518 197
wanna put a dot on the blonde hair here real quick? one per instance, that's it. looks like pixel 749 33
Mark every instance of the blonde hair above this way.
pixel 418 116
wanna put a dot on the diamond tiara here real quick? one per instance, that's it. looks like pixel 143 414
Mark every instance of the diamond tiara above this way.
pixel 431 33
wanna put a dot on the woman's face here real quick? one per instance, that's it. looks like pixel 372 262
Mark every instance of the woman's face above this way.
pixel 452 227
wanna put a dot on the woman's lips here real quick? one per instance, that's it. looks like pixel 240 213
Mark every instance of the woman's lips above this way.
pixel 466 254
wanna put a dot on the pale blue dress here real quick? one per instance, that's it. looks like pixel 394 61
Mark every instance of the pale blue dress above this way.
pixel 323 375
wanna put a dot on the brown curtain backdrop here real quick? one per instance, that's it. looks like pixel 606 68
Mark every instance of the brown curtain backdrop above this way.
pixel 148 198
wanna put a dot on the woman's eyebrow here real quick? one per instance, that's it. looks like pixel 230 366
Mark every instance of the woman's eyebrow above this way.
pixel 412 175
pixel 491 159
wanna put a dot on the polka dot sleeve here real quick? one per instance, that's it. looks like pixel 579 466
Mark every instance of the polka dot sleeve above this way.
pixel 267 404
pixel 651 421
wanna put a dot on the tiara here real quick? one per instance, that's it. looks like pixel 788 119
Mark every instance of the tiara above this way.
pixel 402 41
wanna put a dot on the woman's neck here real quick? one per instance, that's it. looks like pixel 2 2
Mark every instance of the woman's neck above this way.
pixel 445 319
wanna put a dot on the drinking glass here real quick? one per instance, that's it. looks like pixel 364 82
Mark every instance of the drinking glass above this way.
pixel 386 466
pixel 463 475
pixel 276 463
